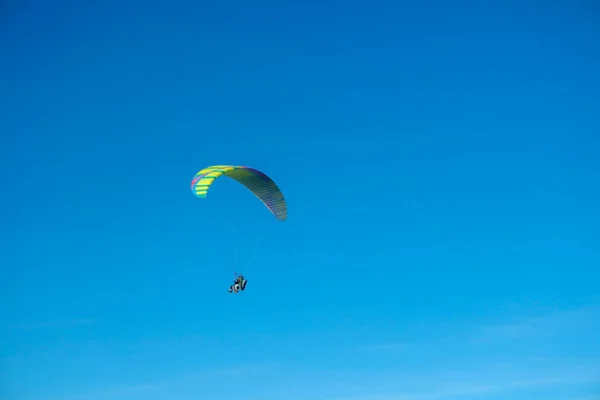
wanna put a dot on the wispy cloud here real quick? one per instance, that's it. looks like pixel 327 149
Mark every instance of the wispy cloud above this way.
pixel 560 322
pixel 194 379
pixel 551 324
pixel 476 388
pixel 109 392
pixel 440 390
pixel 481 374
pixel 386 346
pixel 58 324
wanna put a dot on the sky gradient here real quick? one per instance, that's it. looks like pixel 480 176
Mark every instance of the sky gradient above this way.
pixel 440 164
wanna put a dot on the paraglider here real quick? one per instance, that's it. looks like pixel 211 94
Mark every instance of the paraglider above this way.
pixel 254 180
pixel 239 283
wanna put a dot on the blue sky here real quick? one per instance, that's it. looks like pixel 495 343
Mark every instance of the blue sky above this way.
pixel 440 163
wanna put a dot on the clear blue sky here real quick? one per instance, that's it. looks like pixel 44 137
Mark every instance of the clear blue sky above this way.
pixel 440 162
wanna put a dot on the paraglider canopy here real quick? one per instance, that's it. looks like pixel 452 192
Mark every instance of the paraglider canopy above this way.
pixel 256 181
